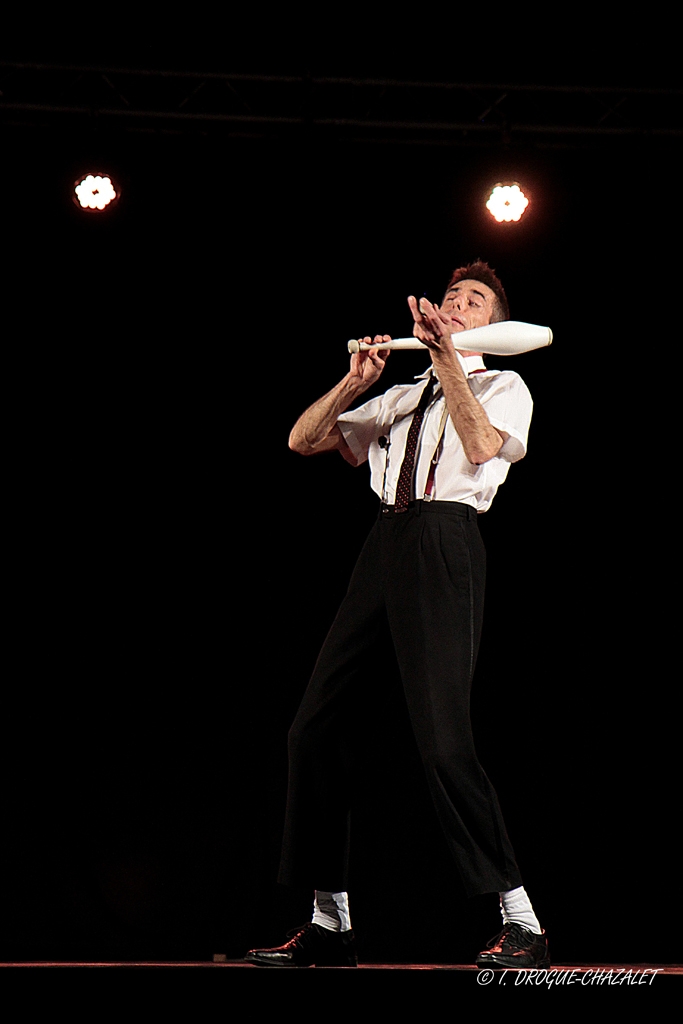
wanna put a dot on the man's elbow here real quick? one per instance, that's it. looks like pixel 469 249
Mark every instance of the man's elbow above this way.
pixel 298 442
pixel 483 453
pixel 486 447
pixel 294 442
pixel 477 459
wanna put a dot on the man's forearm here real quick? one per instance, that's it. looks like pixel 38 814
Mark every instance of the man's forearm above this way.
pixel 311 432
pixel 480 440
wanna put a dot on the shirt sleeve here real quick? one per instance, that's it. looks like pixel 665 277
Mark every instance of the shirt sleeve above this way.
pixel 508 405
pixel 363 425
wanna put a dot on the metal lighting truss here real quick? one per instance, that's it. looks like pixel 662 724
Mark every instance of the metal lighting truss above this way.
pixel 319 107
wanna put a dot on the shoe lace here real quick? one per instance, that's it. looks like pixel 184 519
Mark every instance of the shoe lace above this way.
pixel 512 934
pixel 300 933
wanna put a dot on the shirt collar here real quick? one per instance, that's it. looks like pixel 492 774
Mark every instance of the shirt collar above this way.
pixel 470 364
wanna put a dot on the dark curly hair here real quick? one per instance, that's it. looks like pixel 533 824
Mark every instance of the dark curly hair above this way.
pixel 480 271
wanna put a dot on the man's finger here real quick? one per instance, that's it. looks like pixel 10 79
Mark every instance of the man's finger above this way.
pixel 414 309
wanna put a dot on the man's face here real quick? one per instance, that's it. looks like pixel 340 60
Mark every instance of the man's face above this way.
pixel 469 304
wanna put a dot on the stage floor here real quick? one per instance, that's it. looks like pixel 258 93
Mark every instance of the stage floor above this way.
pixel 610 973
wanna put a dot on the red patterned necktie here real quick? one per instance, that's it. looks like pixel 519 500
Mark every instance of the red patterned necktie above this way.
pixel 405 477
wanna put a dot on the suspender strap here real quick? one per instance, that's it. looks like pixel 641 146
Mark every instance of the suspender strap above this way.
pixel 429 486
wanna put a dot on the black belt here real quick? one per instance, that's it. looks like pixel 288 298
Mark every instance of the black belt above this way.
pixel 454 508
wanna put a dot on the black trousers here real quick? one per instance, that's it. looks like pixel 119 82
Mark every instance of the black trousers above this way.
pixel 421 572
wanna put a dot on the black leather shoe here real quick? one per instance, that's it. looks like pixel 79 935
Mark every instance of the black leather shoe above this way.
pixel 515 947
pixel 310 946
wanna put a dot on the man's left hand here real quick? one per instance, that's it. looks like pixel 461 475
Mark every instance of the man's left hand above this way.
pixel 432 327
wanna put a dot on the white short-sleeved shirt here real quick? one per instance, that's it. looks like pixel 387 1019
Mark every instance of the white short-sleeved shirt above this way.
pixel 508 405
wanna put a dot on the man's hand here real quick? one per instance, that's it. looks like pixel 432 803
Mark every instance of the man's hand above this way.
pixel 368 365
pixel 480 440
pixel 432 327
pixel 316 429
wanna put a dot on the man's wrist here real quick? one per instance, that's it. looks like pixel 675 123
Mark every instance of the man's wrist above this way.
pixel 447 363
pixel 352 386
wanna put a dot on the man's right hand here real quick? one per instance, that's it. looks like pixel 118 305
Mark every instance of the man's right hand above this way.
pixel 368 365
pixel 316 429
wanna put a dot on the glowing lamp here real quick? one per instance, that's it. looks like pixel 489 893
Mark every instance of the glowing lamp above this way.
pixel 94 192
pixel 507 202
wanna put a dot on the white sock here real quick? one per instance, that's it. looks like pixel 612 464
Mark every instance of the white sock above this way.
pixel 331 911
pixel 515 906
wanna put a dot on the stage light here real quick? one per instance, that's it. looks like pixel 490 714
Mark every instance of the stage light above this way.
pixel 94 192
pixel 507 202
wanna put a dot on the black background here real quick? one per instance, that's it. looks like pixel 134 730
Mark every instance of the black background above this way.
pixel 172 568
